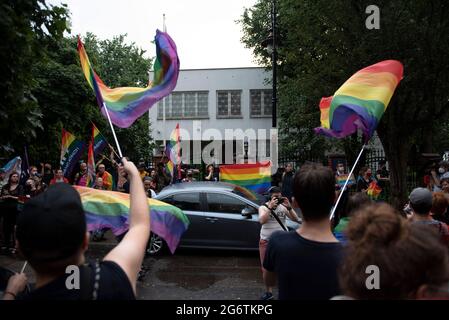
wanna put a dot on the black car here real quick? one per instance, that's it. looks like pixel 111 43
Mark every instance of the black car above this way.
pixel 222 215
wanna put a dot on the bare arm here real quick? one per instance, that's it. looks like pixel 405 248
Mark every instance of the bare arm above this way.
pixel 130 252
pixel 264 212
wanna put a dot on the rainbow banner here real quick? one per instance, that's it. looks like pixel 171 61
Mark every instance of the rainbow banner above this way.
pixel 373 190
pixel 255 177
pixel 71 151
pixel 110 209
pixel 341 179
pixel 361 101
pixel 90 165
pixel 173 153
pixel 126 104
pixel 99 141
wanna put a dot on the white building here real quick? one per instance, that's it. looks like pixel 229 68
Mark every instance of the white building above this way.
pixel 207 102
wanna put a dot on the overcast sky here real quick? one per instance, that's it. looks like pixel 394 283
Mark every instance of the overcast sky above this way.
pixel 204 31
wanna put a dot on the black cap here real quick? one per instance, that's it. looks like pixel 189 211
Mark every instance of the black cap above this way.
pixel 52 226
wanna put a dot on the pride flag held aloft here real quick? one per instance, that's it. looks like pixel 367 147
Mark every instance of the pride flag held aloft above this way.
pixel 361 101
pixel 255 177
pixel 110 209
pixel 127 104
pixel 71 151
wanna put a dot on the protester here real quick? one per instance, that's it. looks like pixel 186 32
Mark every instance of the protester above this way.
pixel 147 183
pixel 105 176
pixel 382 174
pixel 281 207
pixel 2 178
pixel 408 258
pixel 445 185
pixel 59 177
pixel 81 176
pixel 305 261
pixel 123 183
pixel 99 184
pixel 355 202
pixel 341 176
pixel 211 173
pixel 440 203
pixel 443 173
pixel 421 204
pixel 143 173
pixel 163 179
pixel 33 187
pixel 189 177
pixel 10 195
pixel 364 179
pixel 46 173
pixel 287 182
pixel 277 177
pixel 51 235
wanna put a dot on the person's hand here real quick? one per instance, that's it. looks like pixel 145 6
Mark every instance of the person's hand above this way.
pixel 16 284
pixel 129 167
pixel 287 203
pixel 273 203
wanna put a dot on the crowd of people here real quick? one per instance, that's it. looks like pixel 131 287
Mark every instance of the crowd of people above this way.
pixel 320 260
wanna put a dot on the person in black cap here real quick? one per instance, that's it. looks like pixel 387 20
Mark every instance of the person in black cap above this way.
pixel 421 204
pixel 51 235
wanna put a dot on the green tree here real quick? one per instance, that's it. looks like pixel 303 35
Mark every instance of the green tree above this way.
pixel 26 27
pixel 325 42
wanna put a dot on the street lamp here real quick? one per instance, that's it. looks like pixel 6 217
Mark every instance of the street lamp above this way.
pixel 270 45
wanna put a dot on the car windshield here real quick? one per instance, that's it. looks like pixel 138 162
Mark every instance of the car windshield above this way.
pixel 247 194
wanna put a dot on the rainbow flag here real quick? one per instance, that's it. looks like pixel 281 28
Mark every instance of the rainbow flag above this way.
pixel 90 165
pixel 71 151
pixel 373 190
pixel 361 101
pixel 126 104
pixel 173 152
pixel 99 141
pixel 110 209
pixel 341 179
pixel 255 177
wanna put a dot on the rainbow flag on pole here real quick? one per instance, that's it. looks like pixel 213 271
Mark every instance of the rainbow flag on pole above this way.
pixel 99 142
pixel 255 177
pixel 110 209
pixel 71 151
pixel 361 101
pixel 173 152
pixel 126 104
pixel 91 176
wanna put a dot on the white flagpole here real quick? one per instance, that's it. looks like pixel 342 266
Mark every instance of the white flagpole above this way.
pixel 164 28
pixel 113 131
pixel 24 266
pixel 346 182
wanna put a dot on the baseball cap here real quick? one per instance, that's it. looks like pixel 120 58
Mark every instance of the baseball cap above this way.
pixel 421 200
pixel 52 225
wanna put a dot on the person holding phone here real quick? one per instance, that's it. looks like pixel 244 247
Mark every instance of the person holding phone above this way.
pixel 281 207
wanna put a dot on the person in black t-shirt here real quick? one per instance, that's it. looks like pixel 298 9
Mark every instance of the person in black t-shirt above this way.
pixel 51 235
pixel 364 180
pixel 305 261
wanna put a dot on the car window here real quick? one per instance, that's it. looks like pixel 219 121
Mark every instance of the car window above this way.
pixel 221 203
pixel 185 201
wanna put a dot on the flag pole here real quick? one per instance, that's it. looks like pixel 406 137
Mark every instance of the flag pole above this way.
pixel 113 131
pixel 346 182
pixel 24 266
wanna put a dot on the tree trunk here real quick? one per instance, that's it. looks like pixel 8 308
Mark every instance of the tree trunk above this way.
pixel 396 148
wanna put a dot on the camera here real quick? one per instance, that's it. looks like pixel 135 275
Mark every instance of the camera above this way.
pixel 279 199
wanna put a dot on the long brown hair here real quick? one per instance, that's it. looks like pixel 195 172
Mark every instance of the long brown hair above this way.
pixel 407 255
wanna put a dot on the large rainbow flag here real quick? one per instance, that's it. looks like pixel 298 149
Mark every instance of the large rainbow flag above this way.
pixel 255 177
pixel 361 101
pixel 126 104
pixel 110 209
pixel 71 151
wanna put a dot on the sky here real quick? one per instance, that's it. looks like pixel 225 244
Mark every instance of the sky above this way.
pixel 205 31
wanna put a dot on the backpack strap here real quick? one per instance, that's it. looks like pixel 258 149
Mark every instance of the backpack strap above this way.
pixel 89 289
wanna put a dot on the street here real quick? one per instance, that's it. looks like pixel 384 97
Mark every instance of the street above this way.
pixel 187 275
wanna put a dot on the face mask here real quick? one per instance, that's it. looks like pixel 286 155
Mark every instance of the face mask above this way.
pixel 368 174
pixel 441 170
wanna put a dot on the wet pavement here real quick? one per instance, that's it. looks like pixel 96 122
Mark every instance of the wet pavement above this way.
pixel 187 275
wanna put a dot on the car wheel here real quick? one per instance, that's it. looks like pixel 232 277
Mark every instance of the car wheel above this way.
pixel 156 245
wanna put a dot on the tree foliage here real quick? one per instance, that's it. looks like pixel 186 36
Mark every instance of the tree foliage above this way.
pixel 324 42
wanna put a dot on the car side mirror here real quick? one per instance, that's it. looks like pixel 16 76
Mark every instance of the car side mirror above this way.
pixel 248 212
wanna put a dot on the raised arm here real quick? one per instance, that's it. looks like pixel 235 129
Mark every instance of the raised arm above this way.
pixel 130 252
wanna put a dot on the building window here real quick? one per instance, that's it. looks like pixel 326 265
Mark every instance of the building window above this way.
pixel 261 103
pixel 178 105
pixel 229 104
